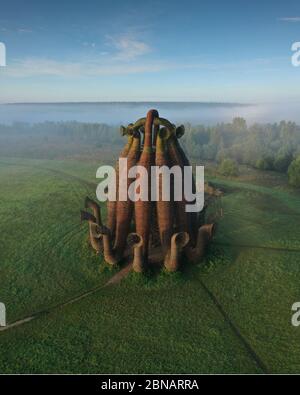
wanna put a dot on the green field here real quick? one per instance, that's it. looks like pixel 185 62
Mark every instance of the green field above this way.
pixel 230 314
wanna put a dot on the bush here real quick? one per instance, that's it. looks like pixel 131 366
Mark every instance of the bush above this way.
pixel 228 167
pixel 294 173
pixel 282 162
pixel 266 163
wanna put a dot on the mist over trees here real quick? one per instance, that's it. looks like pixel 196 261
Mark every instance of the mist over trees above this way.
pixel 267 146
pixel 263 146
pixel 72 131
pixel 59 140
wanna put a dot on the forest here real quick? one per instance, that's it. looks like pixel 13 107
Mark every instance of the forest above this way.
pixel 266 147
pixel 262 146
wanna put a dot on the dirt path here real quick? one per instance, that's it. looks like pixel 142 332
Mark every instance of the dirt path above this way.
pixel 116 279
pixel 252 353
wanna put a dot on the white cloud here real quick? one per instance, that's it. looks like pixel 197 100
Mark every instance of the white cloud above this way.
pixel 47 67
pixel 127 47
pixel 88 44
pixel 290 19
pixel 22 30
pixel 108 64
pixel 120 58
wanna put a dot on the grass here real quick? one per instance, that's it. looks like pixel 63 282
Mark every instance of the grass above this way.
pixel 173 327
pixel 257 289
pixel 212 318
pixel 44 252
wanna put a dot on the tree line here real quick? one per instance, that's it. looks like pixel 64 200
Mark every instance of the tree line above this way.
pixel 263 146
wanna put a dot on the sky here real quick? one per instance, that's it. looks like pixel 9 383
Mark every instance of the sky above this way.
pixel 167 50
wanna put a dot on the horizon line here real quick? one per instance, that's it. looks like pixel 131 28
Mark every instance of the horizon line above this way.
pixel 131 102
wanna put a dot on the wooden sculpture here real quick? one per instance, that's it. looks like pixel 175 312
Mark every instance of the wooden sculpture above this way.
pixel 149 232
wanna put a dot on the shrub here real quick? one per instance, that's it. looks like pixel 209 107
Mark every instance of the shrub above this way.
pixel 294 173
pixel 228 167
pixel 266 163
pixel 282 162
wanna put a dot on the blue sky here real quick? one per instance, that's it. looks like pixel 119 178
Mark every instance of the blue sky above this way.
pixel 192 50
